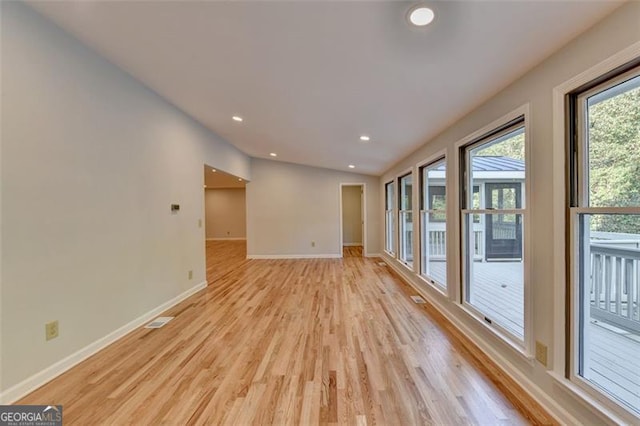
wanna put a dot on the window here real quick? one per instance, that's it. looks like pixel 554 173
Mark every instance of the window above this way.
pixel 406 219
pixel 605 225
pixel 493 218
pixel 389 223
pixel 433 223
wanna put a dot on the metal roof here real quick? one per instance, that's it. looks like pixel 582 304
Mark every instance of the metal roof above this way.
pixel 495 164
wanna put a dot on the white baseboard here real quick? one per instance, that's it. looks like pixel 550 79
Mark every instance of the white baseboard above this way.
pixel 352 244
pixel 372 255
pixel 227 239
pixel 32 383
pixel 294 256
pixel 533 390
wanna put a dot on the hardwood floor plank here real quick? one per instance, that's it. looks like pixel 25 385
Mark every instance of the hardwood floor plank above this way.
pixel 292 342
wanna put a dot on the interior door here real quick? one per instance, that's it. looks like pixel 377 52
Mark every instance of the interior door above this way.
pixel 503 239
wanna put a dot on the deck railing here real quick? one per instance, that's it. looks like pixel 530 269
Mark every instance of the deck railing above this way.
pixel 615 285
pixel 438 244
pixel 615 277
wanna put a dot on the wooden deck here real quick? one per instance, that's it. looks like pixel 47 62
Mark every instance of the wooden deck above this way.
pixel 495 294
pixel 614 354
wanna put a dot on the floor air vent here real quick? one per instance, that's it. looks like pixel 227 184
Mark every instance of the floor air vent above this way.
pixel 417 299
pixel 382 264
pixel 158 322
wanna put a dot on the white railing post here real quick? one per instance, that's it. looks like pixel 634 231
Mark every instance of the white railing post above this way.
pixel 615 271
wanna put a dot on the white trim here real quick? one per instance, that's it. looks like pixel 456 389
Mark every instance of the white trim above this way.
pixel 373 255
pixel 433 158
pixel 437 157
pixel 393 216
pixel 526 212
pixel 559 231
pixel 454 222
pixel 408 171
pixel 510 339
pixel 522 110
pixel 605 210
pixel 42 377
pixel 227 239
pixel 351 244
pixel 415 212
pixel 404 172
pixel 363 208
pixel 432 283
pixel 590 402
pixel 495 175
pixel 406 265
pixel 295 256
pixel 527 385
pixel 500 175
pixel 493 211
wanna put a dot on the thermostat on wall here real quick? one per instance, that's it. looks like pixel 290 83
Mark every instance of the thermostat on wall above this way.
pixel 175 208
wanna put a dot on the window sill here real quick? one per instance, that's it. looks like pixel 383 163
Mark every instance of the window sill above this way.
pixel 434 285
pixel 406 265
pixel 600 406
pixel 505 338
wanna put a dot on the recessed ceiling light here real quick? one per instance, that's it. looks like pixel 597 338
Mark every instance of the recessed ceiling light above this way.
pixel 421 16
pixel 236 118
pixel 213 170
pixel 365 138
pixel 273 154
pixel 351 166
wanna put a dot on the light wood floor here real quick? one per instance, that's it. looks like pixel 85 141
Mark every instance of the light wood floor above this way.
pixel 352 251
pixel 224 258
pixel 333 341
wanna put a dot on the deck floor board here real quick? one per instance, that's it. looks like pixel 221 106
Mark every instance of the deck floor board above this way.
pixel 614 355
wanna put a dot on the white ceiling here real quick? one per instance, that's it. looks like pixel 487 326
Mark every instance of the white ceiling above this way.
pixel 310 77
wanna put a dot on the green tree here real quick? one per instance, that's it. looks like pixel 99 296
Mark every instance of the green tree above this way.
pixel 614 160
pixel 512 148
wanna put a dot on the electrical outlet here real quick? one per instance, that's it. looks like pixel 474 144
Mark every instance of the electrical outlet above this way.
pixel 190 275
pixel 313 243
pixel 51 330
pixel 541 353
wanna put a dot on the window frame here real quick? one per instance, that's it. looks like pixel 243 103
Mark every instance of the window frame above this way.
pixel 399 238
pixel 390 240
pixel 438 157
pixel 521 347
pixel 577 206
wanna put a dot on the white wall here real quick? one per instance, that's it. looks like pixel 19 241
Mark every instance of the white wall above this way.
pixel 351 215
pixel 91 161
pixel 289 206
pixel 225 212
pixel 613 34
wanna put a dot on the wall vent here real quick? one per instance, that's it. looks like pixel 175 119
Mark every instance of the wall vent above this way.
pixel 417 299
pixel 158 322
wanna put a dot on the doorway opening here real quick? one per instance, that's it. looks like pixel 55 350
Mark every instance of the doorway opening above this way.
pixel 225 222
pixel 504 231
pixel 353 235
